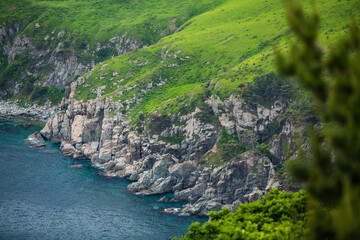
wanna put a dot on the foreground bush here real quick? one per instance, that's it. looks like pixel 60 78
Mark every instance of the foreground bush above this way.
pixel 279 215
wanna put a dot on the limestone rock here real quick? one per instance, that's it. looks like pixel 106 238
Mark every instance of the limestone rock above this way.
pixel 35 138
pixel 86 129
pixel 68 150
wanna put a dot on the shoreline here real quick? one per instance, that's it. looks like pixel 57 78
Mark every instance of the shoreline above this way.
pixel 10 109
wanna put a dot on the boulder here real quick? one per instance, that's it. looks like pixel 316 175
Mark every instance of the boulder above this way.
pixel 68 150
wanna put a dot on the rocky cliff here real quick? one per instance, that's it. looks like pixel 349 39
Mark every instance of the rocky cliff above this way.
pixel 97 130
pixel 51 61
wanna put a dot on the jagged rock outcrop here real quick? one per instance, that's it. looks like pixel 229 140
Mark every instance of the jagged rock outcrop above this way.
pixel 90 129
pixel 53 62
pixel 243 179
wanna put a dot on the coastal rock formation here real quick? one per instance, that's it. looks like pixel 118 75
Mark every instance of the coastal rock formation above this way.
pixel 156 166
pixel 243 179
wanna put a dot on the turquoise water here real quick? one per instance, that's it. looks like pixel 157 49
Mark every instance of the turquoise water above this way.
pixel 41 197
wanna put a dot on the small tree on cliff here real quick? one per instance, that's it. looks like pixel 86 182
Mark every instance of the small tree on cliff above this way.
pixel 332 169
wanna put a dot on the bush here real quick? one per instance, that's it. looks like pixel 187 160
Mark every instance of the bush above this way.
pixel 272 129
pixel 279 215
pixel 159 123
pixel 264 149
pixel 266 89
pixel 206 113
pixel 230 146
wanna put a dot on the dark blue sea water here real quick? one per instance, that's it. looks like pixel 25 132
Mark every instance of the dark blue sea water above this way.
pixel 41 197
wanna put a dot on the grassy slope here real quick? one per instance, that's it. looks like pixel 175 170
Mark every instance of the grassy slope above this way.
pixel 239 34
pixel 86 23
pixel 99 20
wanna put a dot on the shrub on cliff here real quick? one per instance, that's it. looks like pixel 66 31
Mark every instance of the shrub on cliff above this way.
pixel 267 89
pixel 331 169
pixel 279 215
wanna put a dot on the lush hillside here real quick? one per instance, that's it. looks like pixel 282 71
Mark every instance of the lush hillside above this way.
pixel 214 53
pixel 48 43
pixel 98 21
pixel 170 57
pixel 227 41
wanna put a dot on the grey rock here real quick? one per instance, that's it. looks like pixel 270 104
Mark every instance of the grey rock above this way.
pixel 68 150
pixel 39 146
pixel 172 210
pixel 157 167
pixel 36 112
pixel 36 137
pixel 77 166
pixel 163 199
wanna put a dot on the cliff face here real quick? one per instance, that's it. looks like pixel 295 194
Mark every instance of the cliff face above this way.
pixel 52 62
pixel 97 130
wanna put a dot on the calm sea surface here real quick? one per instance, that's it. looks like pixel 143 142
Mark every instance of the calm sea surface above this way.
pixel 41 197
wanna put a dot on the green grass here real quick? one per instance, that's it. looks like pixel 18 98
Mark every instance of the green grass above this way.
pixel 87 25
pixel 99 20
pixel 229 44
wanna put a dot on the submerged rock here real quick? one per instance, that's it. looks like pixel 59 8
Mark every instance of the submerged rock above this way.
pixel 163 199
pixel 77 166
pixel 172 210
pixel 39 146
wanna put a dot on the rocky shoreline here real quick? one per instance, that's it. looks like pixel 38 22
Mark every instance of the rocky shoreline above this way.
pixel 33 112
pixel 92 130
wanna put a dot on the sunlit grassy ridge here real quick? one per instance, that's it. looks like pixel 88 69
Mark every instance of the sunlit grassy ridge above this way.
pixel 99 20
pixel 83 29
pixel 228 44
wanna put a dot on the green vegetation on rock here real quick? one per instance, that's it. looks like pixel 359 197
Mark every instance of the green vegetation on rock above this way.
pixel 89 22
pixel 216 51
pixel 266 89
pixel 330 168
pixel 230 146
pixel 279 215
pixel 88 32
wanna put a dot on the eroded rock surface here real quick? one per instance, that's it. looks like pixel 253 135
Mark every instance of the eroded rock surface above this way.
pixel 86 129
pixel 53 62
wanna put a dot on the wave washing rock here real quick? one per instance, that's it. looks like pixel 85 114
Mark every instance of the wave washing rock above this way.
pixel 88 130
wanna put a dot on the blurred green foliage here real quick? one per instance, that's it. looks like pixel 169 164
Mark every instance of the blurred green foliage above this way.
pixel 332 169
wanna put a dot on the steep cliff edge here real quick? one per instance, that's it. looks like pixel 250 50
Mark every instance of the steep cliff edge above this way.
pixel 190 106
pixel 97 130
